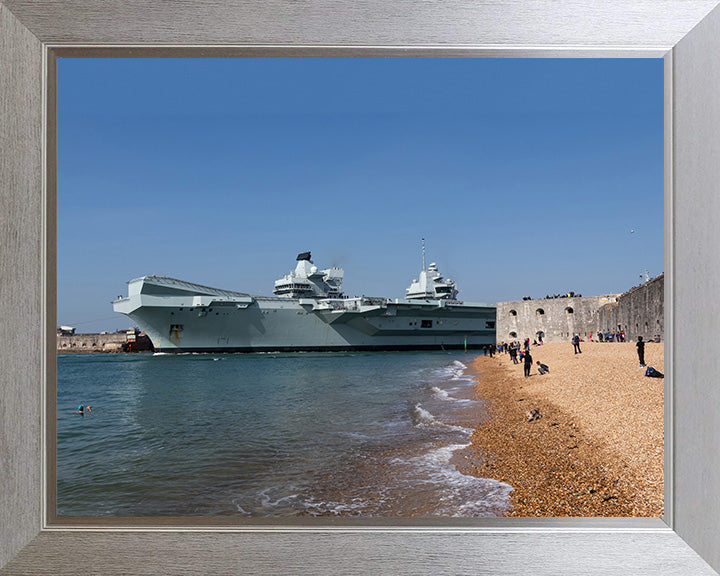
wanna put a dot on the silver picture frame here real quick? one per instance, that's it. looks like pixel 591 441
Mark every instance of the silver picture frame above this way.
pixel 685 33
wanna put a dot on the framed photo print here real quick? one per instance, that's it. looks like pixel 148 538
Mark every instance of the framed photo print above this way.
pixel 355 101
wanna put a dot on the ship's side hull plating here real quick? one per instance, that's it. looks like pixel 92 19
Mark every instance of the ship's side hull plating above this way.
pixel 197 322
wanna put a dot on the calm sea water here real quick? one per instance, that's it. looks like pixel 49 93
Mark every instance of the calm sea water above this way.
pixel 355 434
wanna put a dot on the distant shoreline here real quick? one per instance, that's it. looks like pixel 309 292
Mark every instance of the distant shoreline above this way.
pixel 85 352
pixel 125 341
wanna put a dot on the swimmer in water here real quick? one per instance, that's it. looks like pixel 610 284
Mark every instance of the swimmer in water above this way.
pixel 80 409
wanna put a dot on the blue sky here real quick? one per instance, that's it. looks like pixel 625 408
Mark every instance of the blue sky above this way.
pixel 525 176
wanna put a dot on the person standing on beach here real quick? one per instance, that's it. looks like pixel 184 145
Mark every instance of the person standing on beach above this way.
pixel 514 353
pixel 641 351
pixel 576 344
pixel 527 363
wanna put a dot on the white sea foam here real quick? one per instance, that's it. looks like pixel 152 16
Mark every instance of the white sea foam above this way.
pixel 266 500
pixel 454 372
pixel 460 494
pixel 352 507
pixel 440 393
pixel 457 370
pixel 422 419
pixel 240 508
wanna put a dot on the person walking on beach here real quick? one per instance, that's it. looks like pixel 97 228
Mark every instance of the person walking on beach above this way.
pixel 641 351
pixel 576 344
pixel 527 363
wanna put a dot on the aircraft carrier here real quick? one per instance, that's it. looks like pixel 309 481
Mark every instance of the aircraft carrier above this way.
pixel 308 312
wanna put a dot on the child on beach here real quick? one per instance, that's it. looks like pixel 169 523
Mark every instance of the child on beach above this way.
pixel 542 368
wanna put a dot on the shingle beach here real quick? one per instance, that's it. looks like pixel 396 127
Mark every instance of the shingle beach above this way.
pixel 597 450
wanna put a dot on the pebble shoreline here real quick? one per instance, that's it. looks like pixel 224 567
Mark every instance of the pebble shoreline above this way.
pixel 598 448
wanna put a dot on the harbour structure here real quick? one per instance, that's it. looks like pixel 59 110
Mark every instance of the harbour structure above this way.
pixel 550 319
pixel 132 340
pixel 308 312
pixel 637 312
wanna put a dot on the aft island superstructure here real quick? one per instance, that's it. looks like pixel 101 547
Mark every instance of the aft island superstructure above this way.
pixel 307 313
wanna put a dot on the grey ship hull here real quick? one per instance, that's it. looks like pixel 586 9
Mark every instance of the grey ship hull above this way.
pixel 183 317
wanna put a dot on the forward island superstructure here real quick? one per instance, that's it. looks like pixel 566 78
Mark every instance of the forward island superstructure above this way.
pixel 308 313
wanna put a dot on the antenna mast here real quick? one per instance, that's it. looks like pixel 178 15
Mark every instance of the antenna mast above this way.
pixel 423 248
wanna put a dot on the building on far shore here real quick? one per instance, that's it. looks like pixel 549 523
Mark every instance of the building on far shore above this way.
pixel 638 312
pixel 132 340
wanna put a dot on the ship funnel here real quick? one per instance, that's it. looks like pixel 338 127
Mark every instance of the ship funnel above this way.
pixel 303 256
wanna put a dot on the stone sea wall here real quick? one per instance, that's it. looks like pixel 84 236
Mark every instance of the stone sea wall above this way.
pixel 552 319
pixel 638 312
pixel 111 342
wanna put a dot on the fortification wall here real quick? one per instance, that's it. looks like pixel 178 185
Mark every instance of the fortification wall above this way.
pixel 552 319
pixel 113 342
pixel 639 312
pixel 91 342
